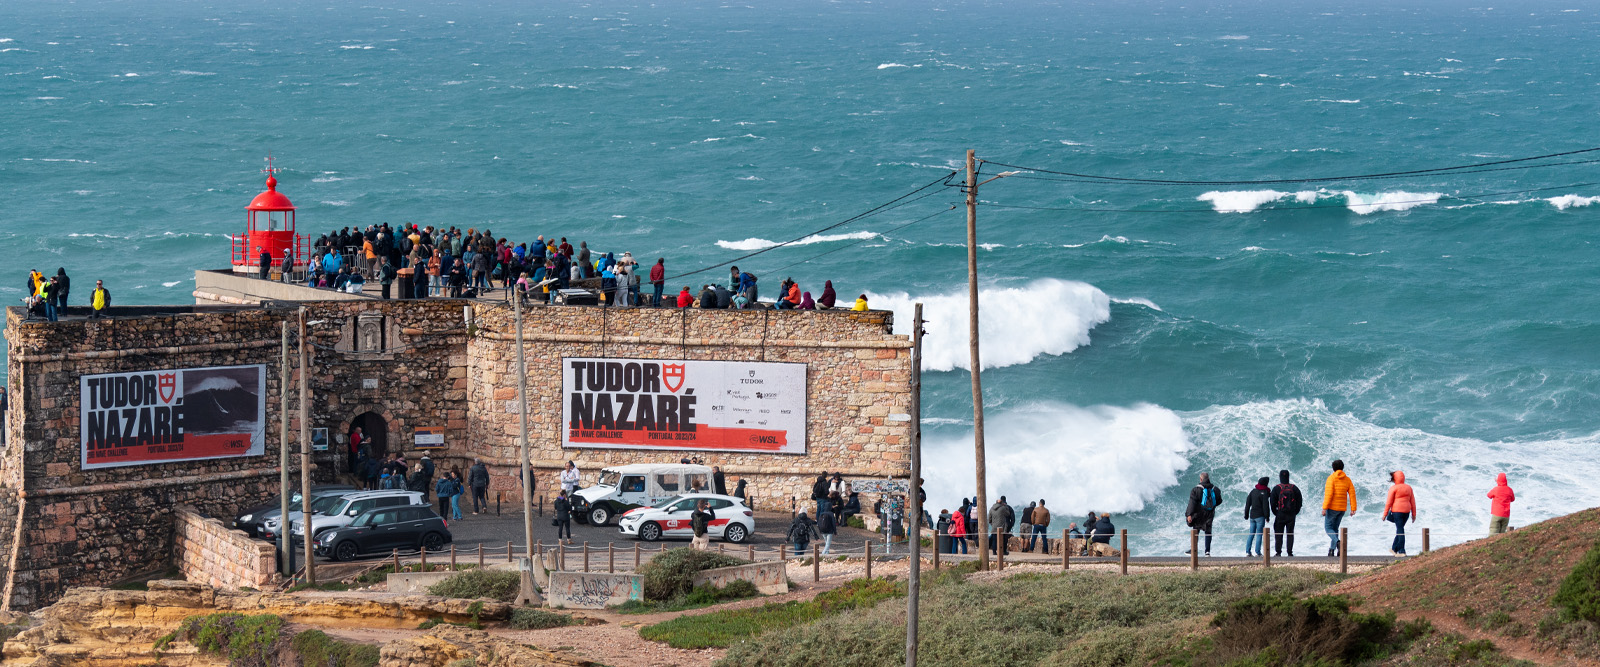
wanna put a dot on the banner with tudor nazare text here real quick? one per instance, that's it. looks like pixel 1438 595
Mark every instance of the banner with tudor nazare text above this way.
pixel 172 415
pixel 730 406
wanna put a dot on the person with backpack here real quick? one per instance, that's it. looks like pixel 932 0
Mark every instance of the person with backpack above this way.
pixel 958 530
pixel 801 531
pixel 700 523
pixel 1285 507
pixel 1338 497
pixel 1255 511
pixel 1203 501
pixel 563 520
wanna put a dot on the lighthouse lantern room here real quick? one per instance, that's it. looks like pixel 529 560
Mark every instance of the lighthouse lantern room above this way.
pixel 269 226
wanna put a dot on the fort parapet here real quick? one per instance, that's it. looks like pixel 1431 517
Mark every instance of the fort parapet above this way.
pixel 400 369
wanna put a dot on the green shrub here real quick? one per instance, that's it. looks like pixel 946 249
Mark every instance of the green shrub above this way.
pixel 1279 629
pixel 1579 595
pixel 248 641
pixel 738 589
pixel 671 573
pixel 316 648
pixel 494 585
pixel 855 522
pixel 724 628
pixel 529 618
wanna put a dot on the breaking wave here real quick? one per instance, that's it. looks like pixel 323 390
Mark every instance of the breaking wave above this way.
pixel 1016 324
pixel 759 244
pixel 1565 202
pixel 1245 201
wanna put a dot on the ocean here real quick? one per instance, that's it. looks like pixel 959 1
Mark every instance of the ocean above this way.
pixel 1134 334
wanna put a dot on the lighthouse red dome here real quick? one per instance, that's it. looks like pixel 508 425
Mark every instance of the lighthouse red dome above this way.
pixel 271 200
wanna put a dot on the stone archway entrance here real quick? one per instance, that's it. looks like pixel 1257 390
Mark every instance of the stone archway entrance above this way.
pixel 374 435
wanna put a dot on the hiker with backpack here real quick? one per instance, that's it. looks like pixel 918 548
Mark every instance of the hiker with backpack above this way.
pixel 801 531
pixel 1285 507
pixel 1338 495
pixel 1255 511
pixel 1203 501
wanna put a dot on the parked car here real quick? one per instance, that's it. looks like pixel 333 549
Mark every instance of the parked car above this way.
pixel 319 503
pixel 251 519
pixel 382 530
pixel 622 488
pixel 670 518
pixel 340 512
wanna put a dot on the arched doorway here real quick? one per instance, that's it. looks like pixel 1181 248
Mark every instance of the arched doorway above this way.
pixel 374 436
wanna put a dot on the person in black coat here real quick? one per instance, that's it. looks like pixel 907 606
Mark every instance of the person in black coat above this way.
pixel 1286 503
pixel 63 286
pixel 819 493
pixel 1204 499
pixel 719 483
pixel 478 479
pixel 1100 544
pixel 1256 512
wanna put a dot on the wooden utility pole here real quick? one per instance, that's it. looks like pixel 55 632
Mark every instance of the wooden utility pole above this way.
pixel 977 382
pixel 285 543
pixel 522 414
pixel 914 583
pixel 305 454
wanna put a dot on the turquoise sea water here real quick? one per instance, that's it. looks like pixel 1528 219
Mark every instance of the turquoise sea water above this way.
pixel 1450 332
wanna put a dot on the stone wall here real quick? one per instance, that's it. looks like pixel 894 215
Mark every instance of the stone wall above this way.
pixel 857 374
pixel 208 552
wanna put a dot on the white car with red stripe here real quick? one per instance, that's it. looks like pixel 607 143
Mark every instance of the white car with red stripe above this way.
pixel 670 518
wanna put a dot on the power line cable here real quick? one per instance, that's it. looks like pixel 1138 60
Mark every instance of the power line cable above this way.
pixel 1354 177
pixel 1283 210
pixel 886 206
pixel 858 241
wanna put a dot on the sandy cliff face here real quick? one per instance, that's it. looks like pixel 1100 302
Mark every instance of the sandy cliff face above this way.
pixel 107 628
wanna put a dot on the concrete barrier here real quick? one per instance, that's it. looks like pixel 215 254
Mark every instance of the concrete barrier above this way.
pixel 770 577
pixel 415 583
pixel 592 590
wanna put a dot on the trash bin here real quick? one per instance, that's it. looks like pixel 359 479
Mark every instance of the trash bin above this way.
pixel 403 282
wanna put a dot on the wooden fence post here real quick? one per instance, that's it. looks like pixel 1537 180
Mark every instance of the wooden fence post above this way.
pixel 816 562
pixel 586 555
pixel 424 552
pixel 452 557
pixel 752 553
pixel 397 561
pixel 1124 554
pixel 1066 551
pixel 1194 550
pixel 1344 550
pixel 1424 540
pixel 508 551
pixel 638 556
pixel 611 557
pixel 480 554
pixel 869 559
pixel 1000 540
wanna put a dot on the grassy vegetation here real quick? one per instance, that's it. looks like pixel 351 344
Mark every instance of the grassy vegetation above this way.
pixel 700 596
pixel 260 641
pixel 529 618
pixel 723 628
pixel 10 630
pixel 471 584
pixel 671 573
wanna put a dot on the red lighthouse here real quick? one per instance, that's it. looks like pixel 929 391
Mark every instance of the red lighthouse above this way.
pixel 270 227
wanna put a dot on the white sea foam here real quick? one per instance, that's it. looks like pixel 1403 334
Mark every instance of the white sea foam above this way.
pixel 1336 101
pixel 326 179
pixel 1389 201
pixel 337 202
pixel 47 98
pixel 889 65
pixel 174 283
pixel 363 47
pixel 1121 240
pixel 1016 324
pixel 1099 458
pixel 187 72
pixel 1138 301
pixel 751 178
pixel 1253 248
pixel 1234 37
pixel 1565 202
pixel 83 193
pixel 4 40
pixel 1245 201
pixel 131 74
pixel 758 244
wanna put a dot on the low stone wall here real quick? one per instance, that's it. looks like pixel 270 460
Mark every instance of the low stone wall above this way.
pixel 769 578
pixel 210 553
pixel 589 590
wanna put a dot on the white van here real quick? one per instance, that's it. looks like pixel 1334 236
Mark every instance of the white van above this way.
pixel 622 488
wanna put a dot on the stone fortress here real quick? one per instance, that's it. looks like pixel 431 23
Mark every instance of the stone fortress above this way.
pixel 403 370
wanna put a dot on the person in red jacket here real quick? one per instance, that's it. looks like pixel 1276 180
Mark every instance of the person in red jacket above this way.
pixel 1399 507
pixel 1500 508
pixel 685 299
pixel 658 278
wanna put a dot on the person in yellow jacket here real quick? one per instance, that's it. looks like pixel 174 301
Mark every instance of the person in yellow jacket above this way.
pixel 1338 498
pixel 861 303
pixel 100 299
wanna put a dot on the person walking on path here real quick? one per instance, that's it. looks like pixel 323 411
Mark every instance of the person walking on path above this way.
pixel 1338 498
pixel 827 525
pixel 441 489
pixel 563 520
pixel 569 478
pixel 1286 502
pixel 1255 511
pixel 1399 507
pixel 719 482
pixel 1041 527
pixel 1204 499
pixel 700 521
pixel 99 299
pixel 801 531
pixel 478 479
pixel 819 493
pixel 457 489
pixel 1500 498
pixel 427 474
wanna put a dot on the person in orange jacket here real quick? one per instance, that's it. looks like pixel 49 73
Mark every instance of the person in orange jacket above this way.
pixel 1399 507
pixel 1500 508
pixel 1338 497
